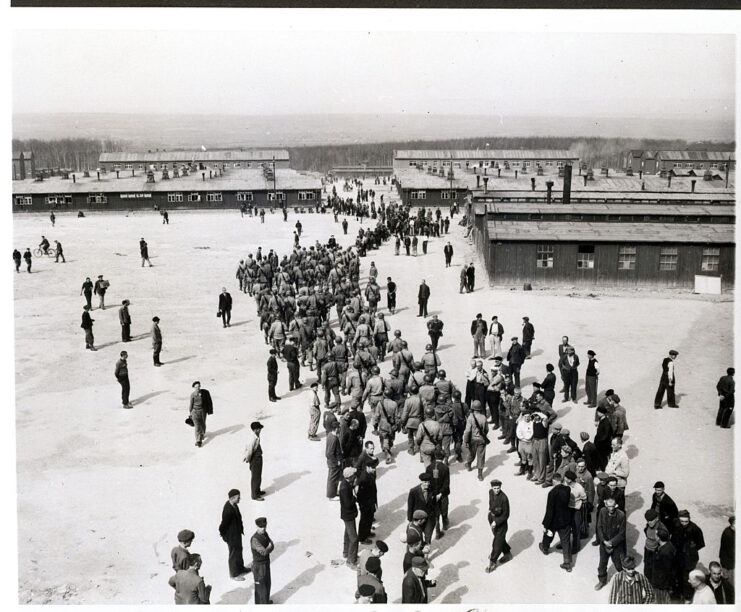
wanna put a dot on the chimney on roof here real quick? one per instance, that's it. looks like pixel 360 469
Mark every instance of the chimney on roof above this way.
pixel 566 184
pixel 549 187
pixel 478 181
pixel 486 183
pixel 693 181
pixel 532 183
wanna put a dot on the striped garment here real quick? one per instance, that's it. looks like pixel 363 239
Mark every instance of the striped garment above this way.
pixel 636 591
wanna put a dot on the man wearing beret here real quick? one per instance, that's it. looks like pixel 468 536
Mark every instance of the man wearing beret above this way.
pixel 421 498
pixel 371 576
pixel 630 586
pixel 364 594
pixel 611 536
pixel 231 530
pixel 348 514
pixel 498 517
pixel 653 524
pixel 253 456
pixel 414 586
pixel 200 406
pixel 180 554
pixel 667 383
pixel 688 540
pixel 189 587
pixel 379 549
pixel 261 546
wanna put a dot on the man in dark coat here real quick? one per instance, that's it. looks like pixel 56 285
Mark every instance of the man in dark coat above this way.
pixel 272 376
pixel 664 506
pixel 498 517
pixel 558 520
pixel 231 530
pixel 333 454
pixel 189 586
pixel 726 388
pixel 17 262
pixel 421 498
pixel 667 384
pixel 367 493
pixel 435 331
pixel 28 258
pixel 261 546
pixel 515 358
pixel 423 297
pixel 87 287
pixel 87 325
pixel 664 571
pixel 590 453
pixel 225 307
pixel 290 354
pixel 448 252
pixel 440 489
pixel 144 252
pixel 528 335
pixel 414 586
pixel 688 540
pixel 348 514
pixel 721 587
pixel 470 277
pixel 611 535
pixel 156 341
pixel 124 318
pixel 727 551
pixel 569 364
pixel 122 376
pixel 603 439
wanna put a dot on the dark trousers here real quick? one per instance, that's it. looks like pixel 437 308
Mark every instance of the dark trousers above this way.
pixel 570 379
pixel 256 475
pixel 564 538
pixel 333 479
pixel 125 332
pixel 527 345
pixel 271 387
pixel 350 542
pixel 724 413
pixel 649 557
pixel 365 523
pixel 261 574
pixel 236 561
pixel 499 544
pixel 226 317
pixel 156 353
pixel 590 383
pixel 88 297
pixel 429 526
pixel 577 520
pixel 293 374
pixel 665 386
pixel 434 339
pixel 492 401
pixel 125 388
pixel 515 369
pixel 89 338
pixel 604 557
pixel 422 308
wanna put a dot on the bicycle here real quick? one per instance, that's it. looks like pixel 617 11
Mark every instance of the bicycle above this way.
pixel 38 252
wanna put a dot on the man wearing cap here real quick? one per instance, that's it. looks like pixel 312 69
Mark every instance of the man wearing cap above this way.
pixel 664 505
pixel 726 388
pixel 376 551
pixel 664 571
pixel 414 586
pixel 618 418
pixel 365 594
pixel 231 530
pixel 367 492
pixel 429 435
pixel 589 453
pixel 653 524
pixel 611 536
pixel 475 438
pixel 421 498
pixel 261 546
pixel 253 456
pixel 369 581
pixel 430 362
pixel 333 454
pixel 667 383
pixel 156 341
pixel 590 380
pixel 688 540
pixel 423 296
pixel 180 554
pixel 348 514
pixel 87 325
pixel 189 586
pixel 396 343
pixel 558 519
pixel 479 330
pixel 124 318
pixel 272 375
pixel 101 286
pixel 528 335
pixel 569 365
pixel 498 517
pixel 200 406
pixel 630 586
pixel 603 439
pixel 440 489
pixel 515 358
pixel 435 331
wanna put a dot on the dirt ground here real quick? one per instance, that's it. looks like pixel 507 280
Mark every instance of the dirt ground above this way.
pixel 102 492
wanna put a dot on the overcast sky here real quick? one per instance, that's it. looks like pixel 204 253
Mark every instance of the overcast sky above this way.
pixel 499 73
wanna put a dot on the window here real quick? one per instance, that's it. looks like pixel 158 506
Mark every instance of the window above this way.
pixel 23 200
pixel 418 195
pixel 626 258
pixel 668 258
pixel 549 163
pixel 97 199
pixel 585 257
pixel 710 260
pixel 174 197
pixel 59 199
pixel 714 165
pixel 448 195
pixel 129 166
pixel 306 195
pixel 516 163
pixel 411 163
pixel 545 256
pixel 141 166
pixel 194 197
pixel 213 197
pixel 277 195
pixel 559 164
pixel 526 164
pixel 244 196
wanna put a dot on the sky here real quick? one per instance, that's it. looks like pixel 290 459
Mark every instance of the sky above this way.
pixel 447 66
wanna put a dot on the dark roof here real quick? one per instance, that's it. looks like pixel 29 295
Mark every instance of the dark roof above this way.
pixel 484 154
pixel 612 209
pixel 696 156
pixel 580 231
pixel 197 156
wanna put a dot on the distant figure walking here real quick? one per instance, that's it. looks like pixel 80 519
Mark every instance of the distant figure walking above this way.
pixel 225 307
pixel 101 286
pixel 60 253
pixel 17 259
pixel 144 250
pixel 667 382
pixel 53 218
pixel 87 289
pixel 28 258
pixel 87 325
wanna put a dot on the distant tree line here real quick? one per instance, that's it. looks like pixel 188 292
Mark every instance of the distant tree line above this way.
pixel 82 153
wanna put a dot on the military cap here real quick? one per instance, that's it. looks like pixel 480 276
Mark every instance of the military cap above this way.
pixel 261 522
pixel 592 353
pixel 428 347
pixel 441 373
pixel 397 332
pixel 476 406
pixel 255 425
pixel 439 453
pixel 186 535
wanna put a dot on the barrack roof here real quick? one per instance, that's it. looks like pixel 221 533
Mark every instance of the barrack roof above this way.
pixel 197 156
pixel 484 154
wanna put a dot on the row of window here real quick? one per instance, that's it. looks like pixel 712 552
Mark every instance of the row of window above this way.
pixel 175 165
pixel 172 198
pixel 490 164
pixel 668 258
pixel 422 195
pixel 699 165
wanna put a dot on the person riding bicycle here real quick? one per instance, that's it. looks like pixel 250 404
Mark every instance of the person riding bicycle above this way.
pixel 44 245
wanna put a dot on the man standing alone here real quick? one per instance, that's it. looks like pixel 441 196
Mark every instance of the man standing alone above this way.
pixel 253 456
pixel 156 341
pixel 200 406
pixel 124 318
pixel 569 365
pixel 231 530
pixel 448 251
pixel 87 325
pixel 122 376
pixel 144 251
pixel 726 388
pixel 87 288
pixel 423 297
pixel 225 307
pixel 261 546
pixel 590 381
pixel 528 335
pixel 272 376
pixel 667 382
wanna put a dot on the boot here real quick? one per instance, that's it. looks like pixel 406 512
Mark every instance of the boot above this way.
pixel 468 466
pixel 481 474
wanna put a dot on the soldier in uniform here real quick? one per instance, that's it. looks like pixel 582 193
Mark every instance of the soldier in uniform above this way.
pixel 435 331
pixel 475 438
pixel 428 437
